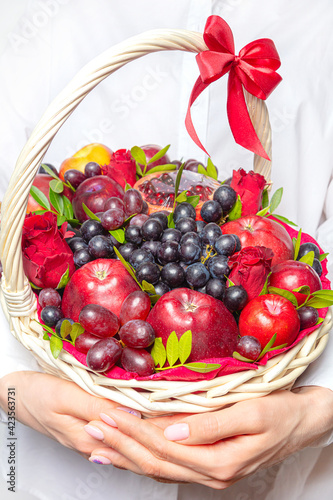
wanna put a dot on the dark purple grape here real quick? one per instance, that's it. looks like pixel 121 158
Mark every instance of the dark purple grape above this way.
pixel 74 177
pixel 145 207
pixel 133 202
pixel 99 321
pixel 60 322
pixel 316 265
pixel 189 252
pixel 152 245
pixel 308 316
pixel 161 288
pixel 211 211
pixel 177 163
pixel 227 244
pixel 235 298
pixel 114 203
pixel 171 234
pixel 114 242
pixel 186 225
pixel 173 275
pixel 91 228
pixel 249 347
pixel 210 233
pixel 152 229
pixel 133 234
pixel 192 165
pixel 137 334
pixel 182 210
pixel 197 275
pixel 200 225
pixel 168 252
pixel 226 197
pixel 127 249
pixel 50 315
pixel 100 247
pixel 82 257
pixel 76 243
pixel 161 217
pixel 148 271
pixel 49 297
pixel 218 266
pixel 306 248
pixel 92 168
pixel 104 354
pixel 215 288
pixel 191 237
pixel 139 256
pixel 137 361
pixel 112 219
pixel 85 341
pixel 138 220
pixel 41 170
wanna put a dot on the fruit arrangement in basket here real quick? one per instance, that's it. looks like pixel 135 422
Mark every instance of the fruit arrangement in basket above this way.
pixel 150 268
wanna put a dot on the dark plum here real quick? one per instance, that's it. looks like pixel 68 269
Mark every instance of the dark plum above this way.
pixel 308 316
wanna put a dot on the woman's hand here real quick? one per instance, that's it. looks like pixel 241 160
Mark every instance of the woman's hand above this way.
pixel 217 449
pixel 57 408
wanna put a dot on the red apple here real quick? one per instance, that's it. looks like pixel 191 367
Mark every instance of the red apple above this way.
pixel 292 274
pixel 103 281
pixel 214 329
pixel 94 192
pixel 254 230
pixel 150 151
pixel 268 314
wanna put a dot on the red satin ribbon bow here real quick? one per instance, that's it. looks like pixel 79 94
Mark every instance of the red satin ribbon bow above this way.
pixel 254 69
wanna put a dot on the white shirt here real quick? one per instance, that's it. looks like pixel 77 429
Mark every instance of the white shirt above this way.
pixel 47 42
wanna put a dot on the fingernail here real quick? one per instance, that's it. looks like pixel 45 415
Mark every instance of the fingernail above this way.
pixel 129 410
pixel 98 459
pixel 108 420
pixel 94 432
pixel 177 432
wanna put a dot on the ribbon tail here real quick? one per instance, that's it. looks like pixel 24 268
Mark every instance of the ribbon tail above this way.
pixel 199 87
pixel 239 119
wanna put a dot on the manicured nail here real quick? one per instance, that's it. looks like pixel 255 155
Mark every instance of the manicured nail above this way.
pixel 177 432
pixel 129 410
pixel 94 432
pixel 98 459
pixel 108 420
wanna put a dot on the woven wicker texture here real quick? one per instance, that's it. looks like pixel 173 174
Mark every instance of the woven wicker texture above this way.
pixel 154 397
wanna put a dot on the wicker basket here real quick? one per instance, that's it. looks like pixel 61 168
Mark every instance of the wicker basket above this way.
pixel 18 300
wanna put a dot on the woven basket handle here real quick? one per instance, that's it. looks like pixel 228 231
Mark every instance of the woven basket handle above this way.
pixel 16 198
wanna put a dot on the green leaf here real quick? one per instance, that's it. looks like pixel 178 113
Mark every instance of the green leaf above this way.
pixel 57 186
pixel 308 258
pixel 65 329
pixel 64 279
pixel 40 197
pixel 68 209
pixel 50 171
pixel 211 169
pixel 172 348
pixel 118 234
pixel 56 346
pixel 168 167
pixel 159 154
pixel 284 219
pixel 126 265
pixel 263 212
pixel 39 212
pixel 90 214
pixel 264 289
pixel 238 356
pixel 302 289
pixel 231 283
pixel 202 367
pixel 236 211
pixel 127 187
pixel 158 352
pixel 154 298
pixel 267 346
pixel 322 256
pixel 178 178
pixel 265 199
pixel 57 201
pixel 284 293
pixel 185 346
pixel 323 294
pixel 297 243
pixel 76 330
pixel 320 320
pixel 319 303
pixel 193 200
pixel 34 286
pixel 148 287
pixel 139 155
pixel 276 199
pixel 60 220
pixel 182 197
pixel 170 220
pixel 202 170
pixel 278 347
pixel 45 336
pixel 138 170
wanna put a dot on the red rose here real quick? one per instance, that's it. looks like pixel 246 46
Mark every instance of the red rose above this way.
pixel 46 254
pixel 121 168
pixel 250 268
pixel 250 187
